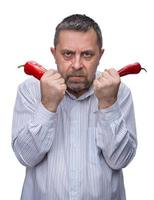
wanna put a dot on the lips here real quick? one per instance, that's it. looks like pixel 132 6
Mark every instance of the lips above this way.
pixel 76 78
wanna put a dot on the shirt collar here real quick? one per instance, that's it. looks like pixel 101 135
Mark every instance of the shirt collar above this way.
pixel 88 93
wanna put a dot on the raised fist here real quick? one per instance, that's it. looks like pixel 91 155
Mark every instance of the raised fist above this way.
pixel 106 88
pixel 53 88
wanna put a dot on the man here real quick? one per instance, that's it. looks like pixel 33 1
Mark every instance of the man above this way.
pixel 75 129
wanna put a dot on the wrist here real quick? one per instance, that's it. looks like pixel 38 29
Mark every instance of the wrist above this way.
pixel 103 104
pixel 52 107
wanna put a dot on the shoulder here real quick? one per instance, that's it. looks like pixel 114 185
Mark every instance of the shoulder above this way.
pixel 124 92
pixel 124 88
pixel 29 83
pixel 30 86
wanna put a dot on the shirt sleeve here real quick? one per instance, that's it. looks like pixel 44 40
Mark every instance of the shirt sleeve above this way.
pixel 116 130
pixel 33 126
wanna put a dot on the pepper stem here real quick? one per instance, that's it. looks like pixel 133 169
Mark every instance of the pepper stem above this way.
pixel 20 66
pixel 144 69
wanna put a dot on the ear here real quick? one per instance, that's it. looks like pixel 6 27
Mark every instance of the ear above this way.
pixel 53 51
pixel 101 52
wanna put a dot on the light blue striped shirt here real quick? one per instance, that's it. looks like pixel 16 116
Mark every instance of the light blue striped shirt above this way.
pixel 76 153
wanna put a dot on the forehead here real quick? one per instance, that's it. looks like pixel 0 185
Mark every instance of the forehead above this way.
pixel 77 39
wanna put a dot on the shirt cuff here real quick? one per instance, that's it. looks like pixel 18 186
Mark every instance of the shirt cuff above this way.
pixel 111 113
pixel 44 116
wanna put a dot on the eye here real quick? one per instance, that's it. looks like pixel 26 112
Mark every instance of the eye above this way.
pixel 88 54
pixel 67 54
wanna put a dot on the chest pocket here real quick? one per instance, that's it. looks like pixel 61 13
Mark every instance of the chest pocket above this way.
pixel 94 150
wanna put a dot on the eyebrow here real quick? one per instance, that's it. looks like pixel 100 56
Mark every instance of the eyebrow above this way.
pixel 84 51
pixel 67 50
pixel 88 51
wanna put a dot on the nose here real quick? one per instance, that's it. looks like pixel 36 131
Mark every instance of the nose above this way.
pixel 76 63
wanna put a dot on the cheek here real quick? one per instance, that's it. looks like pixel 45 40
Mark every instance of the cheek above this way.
pixel 63 69
pixel 92 70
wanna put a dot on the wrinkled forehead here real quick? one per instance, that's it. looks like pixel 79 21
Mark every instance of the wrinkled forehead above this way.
pixel 70 39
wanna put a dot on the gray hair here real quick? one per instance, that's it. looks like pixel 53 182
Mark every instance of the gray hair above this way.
pixel 78 22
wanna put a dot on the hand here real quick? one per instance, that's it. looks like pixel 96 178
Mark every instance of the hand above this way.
pixel 106 88
pixel 52 89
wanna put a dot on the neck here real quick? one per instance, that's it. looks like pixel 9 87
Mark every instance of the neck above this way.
pixel 77 94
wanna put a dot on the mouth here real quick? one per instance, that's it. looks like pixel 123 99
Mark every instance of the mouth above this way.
pixel 76 78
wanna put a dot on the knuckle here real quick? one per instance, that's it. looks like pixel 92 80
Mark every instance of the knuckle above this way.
pixel 53 71
pixel 43 79
pixel 112 70
pixel 62 80
pixel 96 84
pixel 117 81
pixel 105 73
pixel 57 75
pixel 108 82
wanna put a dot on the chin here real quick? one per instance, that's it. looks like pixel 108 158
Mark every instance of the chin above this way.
pixel 78 88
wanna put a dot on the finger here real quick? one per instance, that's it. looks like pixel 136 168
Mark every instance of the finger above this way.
pixel 59 81
pixel 108 81
pixel 113 73
pixel 97 84
pixel 105 74
pixel 50 72
pixel 106 78
pixel 56 76
pixel 63 87
pixel 115 76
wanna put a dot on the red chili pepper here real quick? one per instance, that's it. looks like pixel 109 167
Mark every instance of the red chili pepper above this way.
pixel 37 70
pixel 134 68
pixel 33 68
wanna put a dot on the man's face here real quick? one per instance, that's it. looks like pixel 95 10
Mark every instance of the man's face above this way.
pixel 77 56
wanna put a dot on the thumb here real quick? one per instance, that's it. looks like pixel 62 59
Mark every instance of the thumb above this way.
pixel 96 84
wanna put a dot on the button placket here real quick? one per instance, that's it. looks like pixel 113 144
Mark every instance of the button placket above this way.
pixel 74 153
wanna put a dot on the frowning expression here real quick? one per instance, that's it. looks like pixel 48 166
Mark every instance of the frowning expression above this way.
pixel 77 56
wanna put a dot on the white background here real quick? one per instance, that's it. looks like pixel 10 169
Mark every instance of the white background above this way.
pixel 26 33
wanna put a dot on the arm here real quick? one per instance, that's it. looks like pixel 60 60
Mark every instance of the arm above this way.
pixel 116 134
pixel 34 119
pixel 33 126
